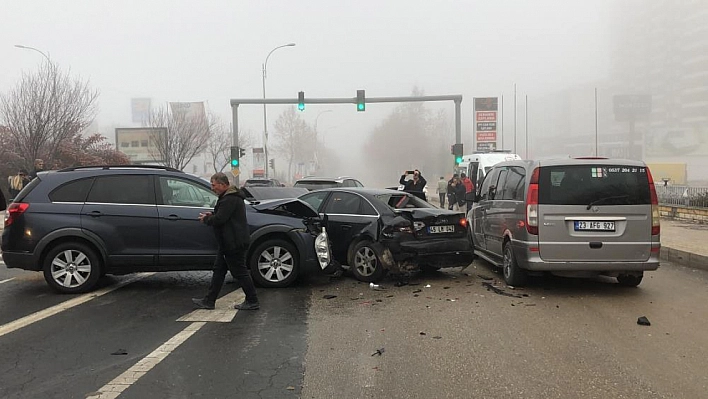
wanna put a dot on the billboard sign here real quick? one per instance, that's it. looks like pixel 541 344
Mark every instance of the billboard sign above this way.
pixel 140 109
pixel 628 106
pixel 485 118
pixel 139 144
pixel 189 110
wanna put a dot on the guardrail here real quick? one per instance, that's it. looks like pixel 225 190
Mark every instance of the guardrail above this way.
pixel 682 195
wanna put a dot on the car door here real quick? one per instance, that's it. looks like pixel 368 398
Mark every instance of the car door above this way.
pixel 494 228
pixel 121 211
pixel 346 220
pixel 480 209
pixel 185 242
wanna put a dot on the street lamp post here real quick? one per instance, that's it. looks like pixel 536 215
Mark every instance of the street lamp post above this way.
pixel 316 119
pixel 32 48
pixel 265 118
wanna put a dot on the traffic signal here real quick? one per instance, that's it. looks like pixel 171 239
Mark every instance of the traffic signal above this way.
pixel 360 100
pixel 457 151
pixel 301 101
pixel 242 152
pixel 271 162
pixel 235 152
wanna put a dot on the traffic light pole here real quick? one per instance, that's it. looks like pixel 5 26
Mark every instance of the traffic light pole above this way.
pixel 234 135
pixel 457 99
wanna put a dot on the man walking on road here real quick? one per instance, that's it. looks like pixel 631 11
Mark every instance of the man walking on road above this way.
pixel 442 191
pixel 231 230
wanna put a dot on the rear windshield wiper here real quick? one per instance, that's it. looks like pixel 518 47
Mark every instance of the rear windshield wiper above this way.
pixel 605 199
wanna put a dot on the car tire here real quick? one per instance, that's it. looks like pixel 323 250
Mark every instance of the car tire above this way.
pixel 72 268
pixel 513 274
pixel 630 280
pixel 365 263
pixel 274 263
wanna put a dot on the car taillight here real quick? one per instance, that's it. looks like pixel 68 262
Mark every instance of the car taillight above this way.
pixel 655 216
pixel 14 211
pixel 463 222
pixel 532 204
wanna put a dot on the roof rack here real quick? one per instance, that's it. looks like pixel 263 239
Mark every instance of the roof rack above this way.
pixel 106 167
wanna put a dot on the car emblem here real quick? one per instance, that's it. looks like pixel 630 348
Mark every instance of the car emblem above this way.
pixel 596 209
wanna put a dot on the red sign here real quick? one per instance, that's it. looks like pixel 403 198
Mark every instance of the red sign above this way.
pixel 486 116
pixel 486 136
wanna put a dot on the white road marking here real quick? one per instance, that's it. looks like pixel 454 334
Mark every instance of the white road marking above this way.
pixel 48 312
pixel 119 384
pixel 5 281
pixel 223 313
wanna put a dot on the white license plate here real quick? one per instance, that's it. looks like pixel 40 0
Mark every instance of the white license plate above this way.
pixel 441 229
pixel 586 225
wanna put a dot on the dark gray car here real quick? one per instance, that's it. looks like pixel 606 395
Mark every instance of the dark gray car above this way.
pixel 80 223
pixel 568 216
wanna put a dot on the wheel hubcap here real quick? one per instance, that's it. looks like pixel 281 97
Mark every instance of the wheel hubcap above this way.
pixel 276 264
pixel 71 268
pixel 365 261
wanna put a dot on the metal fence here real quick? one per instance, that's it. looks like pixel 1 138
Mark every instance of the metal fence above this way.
pixel 682 195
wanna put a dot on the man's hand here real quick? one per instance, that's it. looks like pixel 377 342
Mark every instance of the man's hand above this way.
pixel 203 215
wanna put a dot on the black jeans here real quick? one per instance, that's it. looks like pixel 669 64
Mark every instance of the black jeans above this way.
pixel 235 262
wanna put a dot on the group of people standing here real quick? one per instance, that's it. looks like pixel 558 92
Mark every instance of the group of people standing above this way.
pixel 459 190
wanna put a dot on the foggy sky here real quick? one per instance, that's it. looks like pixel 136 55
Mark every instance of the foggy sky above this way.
pixel 213 50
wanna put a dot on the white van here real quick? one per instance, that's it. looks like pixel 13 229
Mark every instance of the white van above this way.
pixel 476 165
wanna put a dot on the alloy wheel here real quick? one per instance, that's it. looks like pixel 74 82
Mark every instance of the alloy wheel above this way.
pixel 275 264
pixel 365 261
pixel 71 268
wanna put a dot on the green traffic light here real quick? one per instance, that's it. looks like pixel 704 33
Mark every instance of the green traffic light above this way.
pixel 360 106
pixel 234 163
pixel 458 159
pixel 301 106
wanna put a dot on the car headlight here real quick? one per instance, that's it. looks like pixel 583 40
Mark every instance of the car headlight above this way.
pixel 322 249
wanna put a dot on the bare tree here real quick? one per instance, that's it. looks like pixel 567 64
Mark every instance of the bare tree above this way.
pixel 45 108
pixel 295 139
pixel 219 147
pixel 186 136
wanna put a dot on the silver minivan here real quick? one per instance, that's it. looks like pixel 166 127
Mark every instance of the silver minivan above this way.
pixel 579 217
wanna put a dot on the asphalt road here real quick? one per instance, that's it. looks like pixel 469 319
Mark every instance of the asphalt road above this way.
pixel 467 335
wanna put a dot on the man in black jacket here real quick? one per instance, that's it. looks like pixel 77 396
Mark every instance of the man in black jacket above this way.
pixel 415 185
pixel 231 230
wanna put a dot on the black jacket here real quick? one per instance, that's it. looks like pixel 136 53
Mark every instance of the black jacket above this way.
pixel 229 220
pixel 3 201
pixel 410 185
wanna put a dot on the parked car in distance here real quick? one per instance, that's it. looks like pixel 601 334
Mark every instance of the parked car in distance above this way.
pixel 255 182
pixel 316 183
pixel 578 217
pixel 379 230
pixel 77 224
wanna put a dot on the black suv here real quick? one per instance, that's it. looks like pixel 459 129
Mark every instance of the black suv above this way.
pixel 316 183
pixel 78 224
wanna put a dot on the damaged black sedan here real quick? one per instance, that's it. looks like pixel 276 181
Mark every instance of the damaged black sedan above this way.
pixel 375 231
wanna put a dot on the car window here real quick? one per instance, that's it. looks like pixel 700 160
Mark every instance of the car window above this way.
pixel 348 183
pixel 343 203
pixel 75 191
pixel 357 183
pixel 314 199
pixel 315 185
pixel 180 192
pixel 514 184
pixel 402 201
pixel 593 184
pixel 487 185
pixel 367 208
pixel 122 189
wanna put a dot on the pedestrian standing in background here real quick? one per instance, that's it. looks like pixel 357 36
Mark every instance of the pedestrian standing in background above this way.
pixel 17 182
pixel 442 191
pixel 469 190
pixel 460 191
pixel 231 230
pixel 451 187
pixel 38 167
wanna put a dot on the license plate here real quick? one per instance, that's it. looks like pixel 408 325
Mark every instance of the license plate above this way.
pixel 586 225
pixel 441 229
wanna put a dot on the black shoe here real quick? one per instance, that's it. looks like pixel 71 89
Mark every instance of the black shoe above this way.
pixel 247 306
pixel 202 303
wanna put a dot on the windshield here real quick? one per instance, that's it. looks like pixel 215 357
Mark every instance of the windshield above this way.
pixel 593 185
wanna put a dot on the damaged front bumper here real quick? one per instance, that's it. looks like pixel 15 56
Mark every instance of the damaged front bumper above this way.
pixel 410 255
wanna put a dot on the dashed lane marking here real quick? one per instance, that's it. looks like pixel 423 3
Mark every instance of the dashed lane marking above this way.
pixel 223 313
pixel 5 281
pixel 48 312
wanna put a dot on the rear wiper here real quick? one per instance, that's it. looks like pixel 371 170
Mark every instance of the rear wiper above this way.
pixel 605 199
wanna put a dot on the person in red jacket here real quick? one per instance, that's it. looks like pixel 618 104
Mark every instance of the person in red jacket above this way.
pixel 469 190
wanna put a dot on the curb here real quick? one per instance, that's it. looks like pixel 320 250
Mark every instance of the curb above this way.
pixel 684 258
